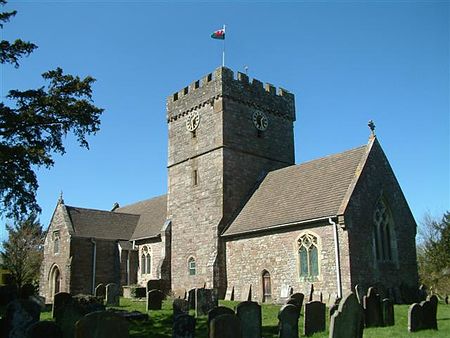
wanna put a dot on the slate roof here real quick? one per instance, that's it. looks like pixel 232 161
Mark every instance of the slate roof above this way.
pixel 153 215
pixel 299 193
pixel 102 224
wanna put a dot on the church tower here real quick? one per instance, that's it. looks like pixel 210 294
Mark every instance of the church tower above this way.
pixel 225 134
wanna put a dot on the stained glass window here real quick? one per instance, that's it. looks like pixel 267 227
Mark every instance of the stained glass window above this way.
pixel 308 256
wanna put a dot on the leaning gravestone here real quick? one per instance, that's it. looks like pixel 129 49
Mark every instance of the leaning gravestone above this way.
pixel 20 315
pixel 315 313
pixel 183 326
pixel 388 312
pixel 372 309
pixel 112 294
pixel 153 284
pixel 348 320
pixel 359 294
pixel 154 300
pixel 44 329
pixel 180 306
pixel 100 291
pixel 249 313
pixel 311 293
pixel 296 299
pixel 288 321
pixel 218 311
pixel 415 317
pixel 335 306
pixel 246 294
pixel 59 301
pixel 205 300
pixel 225 326
pixel 101 324
pixel 229 295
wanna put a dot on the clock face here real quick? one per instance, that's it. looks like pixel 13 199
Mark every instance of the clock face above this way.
pixel 260 120
pixel 193 120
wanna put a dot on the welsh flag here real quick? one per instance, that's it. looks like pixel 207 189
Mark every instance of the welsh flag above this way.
pixel 219 34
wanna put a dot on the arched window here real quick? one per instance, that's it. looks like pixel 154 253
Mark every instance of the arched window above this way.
pixel 56 241
pixel 267 288
pixel 192 267
pixel 146 260
pixel 383 232
pixel 308 256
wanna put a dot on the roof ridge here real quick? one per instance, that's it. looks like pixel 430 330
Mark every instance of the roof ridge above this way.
pixel 99 210
pixel 138 202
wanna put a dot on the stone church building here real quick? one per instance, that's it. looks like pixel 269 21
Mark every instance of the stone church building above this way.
pixel 240 212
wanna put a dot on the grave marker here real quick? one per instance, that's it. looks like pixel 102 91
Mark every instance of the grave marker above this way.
pixel 288 321
pixel 112 294
pixel 180 306
pixel 372 309
pixel 100 291
pixel 348 320
pixel 154 300
pixel 225 326
pixel 183 326
pixel 249 313
pixel 44 329
pixel 314 320
pixel 101 324
pixel 388 312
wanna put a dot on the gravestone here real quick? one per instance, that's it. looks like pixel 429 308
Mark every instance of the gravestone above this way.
pixel 229 295
pixel 246 294
pixel 100 291
pixel 183 326
pixel 154 300
pixel 296 299
pixel 19 316
pixel 205 300
pixel 101 324
pixel 335 306
pixel 422 293
pixel 179 293
pixel 288 321
pixel 433 311
pixel 348 320
pixel 191 299
pixel 59 301
pixel 70 315
pixel 359 293
pixel 225 326
pixel 311 293
pixel 180 306
pixel 153 284
pixel 284 291
pixel 249 313
pixel 314 321
pixel 388 312
pixel 415 318
pixel 27 290
pixel 372 309
pixel 112 294
pixel 44 329
pixel 218 311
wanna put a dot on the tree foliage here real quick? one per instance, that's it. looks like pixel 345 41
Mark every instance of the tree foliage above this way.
pixel 32 127
pixel 434 253
pixel 23 251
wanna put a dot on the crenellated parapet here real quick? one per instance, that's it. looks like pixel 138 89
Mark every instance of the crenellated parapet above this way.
pixel 223 84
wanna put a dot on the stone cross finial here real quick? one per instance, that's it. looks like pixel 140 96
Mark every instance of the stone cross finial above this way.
pixel 60 199
pixel 371 125
pixel 246 69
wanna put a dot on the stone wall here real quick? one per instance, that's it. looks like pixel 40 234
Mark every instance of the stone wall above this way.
pixel 277 253
pixel 377 181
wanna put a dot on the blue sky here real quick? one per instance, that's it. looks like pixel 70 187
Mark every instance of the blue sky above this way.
pixel 346 63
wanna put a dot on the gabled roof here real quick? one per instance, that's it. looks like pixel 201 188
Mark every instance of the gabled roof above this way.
pixel 153 215
pixel 301 193
pixel 101 224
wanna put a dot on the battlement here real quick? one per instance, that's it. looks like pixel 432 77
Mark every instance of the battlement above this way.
pixel 223 83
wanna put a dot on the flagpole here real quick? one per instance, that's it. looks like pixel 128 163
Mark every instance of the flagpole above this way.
pixel 223 52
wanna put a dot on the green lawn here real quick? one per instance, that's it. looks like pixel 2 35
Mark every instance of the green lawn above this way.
pixel 160 323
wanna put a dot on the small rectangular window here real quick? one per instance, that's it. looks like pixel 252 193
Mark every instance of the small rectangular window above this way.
pixel 196 84
pixel 195 177
pixel 186 90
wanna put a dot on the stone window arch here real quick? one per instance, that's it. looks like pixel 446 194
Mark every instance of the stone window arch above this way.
pixel 54 279
pixel 56 240
pixel 146 260
pixel 384 239
pixel 307 250
pixel 192 266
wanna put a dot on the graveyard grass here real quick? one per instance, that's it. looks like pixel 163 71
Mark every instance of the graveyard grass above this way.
pixel 160 322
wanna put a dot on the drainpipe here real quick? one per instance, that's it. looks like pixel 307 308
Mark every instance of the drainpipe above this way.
pixel 128 267
pixel 337 257
pixel 94 261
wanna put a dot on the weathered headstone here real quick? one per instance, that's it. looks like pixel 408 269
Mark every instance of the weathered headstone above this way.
pixel 102 324
pixel 191 298
pixel 284 291
pixel 246 294
pixel 433 311
pixel 372 309
pixel 225 326
pixel 348 320
pixel 314 321
pixel 218 311
pixel 249 314
pixel 70 315
pixel 20 315
pixel 334 307
pixel 229 295
pixel 288 321
pixel 153 284
pixel 311 293
pixel 422 293
pixel 388 312
pixel 296 299
pixel 154 300
pixel 359 293
pixel 415 317
pixel 205 300
pixel 183 326
pixel 59 301
pixel 44 329
pixel 100 291
pixel 112 294
pixel 180 306
pixel 179 293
